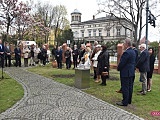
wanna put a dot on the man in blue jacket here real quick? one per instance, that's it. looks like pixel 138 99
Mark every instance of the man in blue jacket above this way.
pixel 143 66
pixel 127 72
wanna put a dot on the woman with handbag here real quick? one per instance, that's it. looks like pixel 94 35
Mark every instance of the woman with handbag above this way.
pixel 103 65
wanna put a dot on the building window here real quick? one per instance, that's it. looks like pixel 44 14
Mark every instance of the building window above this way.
pixel 118 23
pixel 100 25
pixel 89 33
pixel 108 24
pixel 100 32
pixel 94 25
pixel 79 18
pixel 76 34
pixel 108 33
pixel 76 18
pixel 89 26
pixel 94 32
pixel 82 27
pixel 82 33
pixel 72 18
pixel 118 32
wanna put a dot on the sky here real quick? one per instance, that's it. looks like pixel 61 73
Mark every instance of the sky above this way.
pixel 88 8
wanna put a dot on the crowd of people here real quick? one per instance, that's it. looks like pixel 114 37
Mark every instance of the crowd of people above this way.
pixel 96 57
pixel 32 55
pixel 131 61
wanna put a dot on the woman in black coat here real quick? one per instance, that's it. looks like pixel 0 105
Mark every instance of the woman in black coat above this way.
pixel 151 64
pixel 103 65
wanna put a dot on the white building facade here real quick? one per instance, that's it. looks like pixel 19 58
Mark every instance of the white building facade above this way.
pixel 102 29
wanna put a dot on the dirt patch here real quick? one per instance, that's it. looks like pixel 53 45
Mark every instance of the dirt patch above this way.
pixel 63 76
pixel 73 75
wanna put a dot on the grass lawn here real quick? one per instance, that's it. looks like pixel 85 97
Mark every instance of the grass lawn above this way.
pixel 141 105
pixel 10 92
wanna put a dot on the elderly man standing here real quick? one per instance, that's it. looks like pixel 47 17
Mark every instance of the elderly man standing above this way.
pixel 127 72
pixel 143 66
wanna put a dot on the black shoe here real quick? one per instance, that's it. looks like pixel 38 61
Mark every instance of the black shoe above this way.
pixel 120 104
pixel 102 84
pixel 141 93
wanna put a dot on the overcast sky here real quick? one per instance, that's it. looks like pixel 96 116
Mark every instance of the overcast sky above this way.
pixel 88 8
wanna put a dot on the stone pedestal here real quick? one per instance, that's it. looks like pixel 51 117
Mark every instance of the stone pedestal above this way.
pixel 159 59
pixel 82 78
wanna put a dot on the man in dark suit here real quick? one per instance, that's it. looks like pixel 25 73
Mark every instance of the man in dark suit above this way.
pixel 136 52
pixel 127 72
pixel 143 66
pixel 75 54
pixel 1 54
pixel 59 57
pixel 17 52
pixel 7 55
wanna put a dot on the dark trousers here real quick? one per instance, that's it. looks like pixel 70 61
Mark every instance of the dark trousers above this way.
pixel 2 61
pixel 95 73
pixel 133 82
pixel 75 62
pixel 18 61
pixel 44 60
pixel 25 62
pixel 127 89
pixel 8 60
pixel 68 63
pixel 103 79
pixel 59 63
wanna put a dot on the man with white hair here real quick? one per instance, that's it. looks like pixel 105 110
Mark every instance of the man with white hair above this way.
pixel 143 66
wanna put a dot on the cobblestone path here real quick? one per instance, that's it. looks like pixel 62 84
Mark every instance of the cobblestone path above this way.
pixel 45 99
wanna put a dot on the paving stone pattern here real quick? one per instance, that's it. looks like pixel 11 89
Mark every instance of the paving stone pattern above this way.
pixel 45 99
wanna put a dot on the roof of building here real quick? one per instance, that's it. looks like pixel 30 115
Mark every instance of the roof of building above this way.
pixel 76 12
pixel 101 19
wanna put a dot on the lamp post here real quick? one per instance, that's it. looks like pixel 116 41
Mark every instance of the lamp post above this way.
pixel 147 10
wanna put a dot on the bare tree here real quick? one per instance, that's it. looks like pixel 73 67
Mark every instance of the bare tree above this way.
pixel 131 10
pixel 52 17
pixel 60 21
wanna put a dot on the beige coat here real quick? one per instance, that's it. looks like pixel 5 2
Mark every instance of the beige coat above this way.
pixel 26 52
